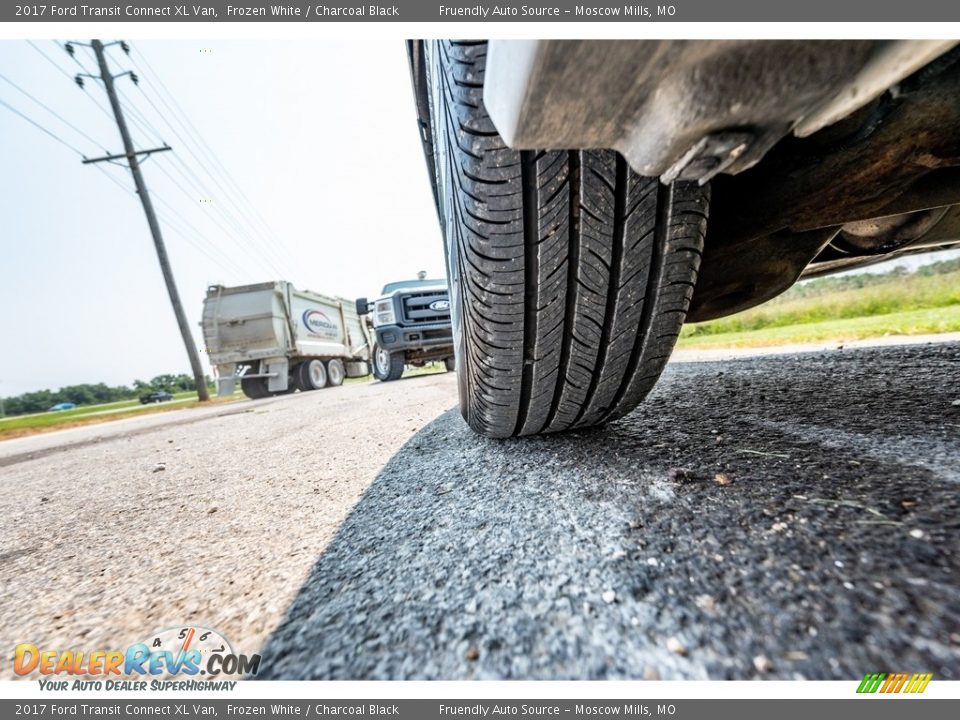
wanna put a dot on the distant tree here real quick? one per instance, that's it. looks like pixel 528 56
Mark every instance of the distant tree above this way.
pixel 95 393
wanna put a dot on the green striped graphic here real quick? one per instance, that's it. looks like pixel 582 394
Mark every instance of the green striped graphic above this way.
pixel 871 682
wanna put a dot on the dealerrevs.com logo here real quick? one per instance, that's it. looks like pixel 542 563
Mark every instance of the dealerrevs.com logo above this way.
pixel 190 652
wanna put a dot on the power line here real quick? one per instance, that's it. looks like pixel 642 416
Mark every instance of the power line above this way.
pixel 50 110
pixel 198 185
pixel 133 161
pixel 213 255
pixel 268 246
pixel 235 233
pixel 172 226
pixel 71 78
pixel 73 56
pixel 42 128
pixel 272 238
pixel 50 60
pixel 205 163
pixel 140 119
pixel 222 256
pixel 228 215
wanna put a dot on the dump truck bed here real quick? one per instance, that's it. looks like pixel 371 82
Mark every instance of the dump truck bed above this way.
pixel 251 322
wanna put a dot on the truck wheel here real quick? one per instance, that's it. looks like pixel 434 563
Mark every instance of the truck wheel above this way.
pixel 570 274
pixel 387 365
pixel 254 388
pixel 335 372
pixel 311 375
pixel 450 364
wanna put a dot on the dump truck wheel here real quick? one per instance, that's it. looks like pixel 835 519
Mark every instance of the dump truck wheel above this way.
pixel 570 274
pixel 335 372
pixel 254 388
pixel 311 375
pixel 386 365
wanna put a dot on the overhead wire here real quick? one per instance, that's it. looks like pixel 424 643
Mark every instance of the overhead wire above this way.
pixel 230 233
pixel 138 119
pixel 242 228
pixel 223 256
pixel 51 111
pixel 212 159
pixel 277 254
pixel 72 79
pixel 41 128
pixel 199 242
pixel 194 242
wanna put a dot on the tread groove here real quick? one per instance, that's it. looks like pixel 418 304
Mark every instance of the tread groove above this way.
pixel 573 262
pixel 616 267
pixel 573 273
pixel 531 237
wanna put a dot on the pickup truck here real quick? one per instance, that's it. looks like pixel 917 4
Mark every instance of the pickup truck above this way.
pixel 411 320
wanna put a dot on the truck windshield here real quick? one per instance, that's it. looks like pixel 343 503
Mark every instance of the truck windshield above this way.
pixel 411 285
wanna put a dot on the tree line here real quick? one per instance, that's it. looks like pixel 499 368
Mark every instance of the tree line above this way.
pixel 95 394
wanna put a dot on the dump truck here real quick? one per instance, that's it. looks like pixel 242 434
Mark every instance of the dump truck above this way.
pixel 275 339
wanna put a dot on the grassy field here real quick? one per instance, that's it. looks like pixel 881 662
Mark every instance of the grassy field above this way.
pixel 916 322
pixel 896 305
pixel 21 425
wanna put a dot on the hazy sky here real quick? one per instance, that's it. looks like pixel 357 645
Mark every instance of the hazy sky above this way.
pixel 319 135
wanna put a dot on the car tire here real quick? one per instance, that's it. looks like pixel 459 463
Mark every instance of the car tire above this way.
pixel 387 366
pixel 254 388
pixel 335 373
pixel 570 274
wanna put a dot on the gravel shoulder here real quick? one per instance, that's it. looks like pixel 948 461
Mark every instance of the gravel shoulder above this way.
pixel 100 546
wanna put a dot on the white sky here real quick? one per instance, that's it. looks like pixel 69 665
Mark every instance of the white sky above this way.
pixel 321 136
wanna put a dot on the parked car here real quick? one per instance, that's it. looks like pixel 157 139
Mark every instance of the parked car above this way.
pixel 62 406
pixel 155 397
pixel 734 168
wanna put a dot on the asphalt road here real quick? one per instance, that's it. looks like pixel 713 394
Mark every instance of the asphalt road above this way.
pixel 780 517
pixel 826 548
pixel 210 516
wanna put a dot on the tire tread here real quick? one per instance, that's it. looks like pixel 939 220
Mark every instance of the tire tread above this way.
pixel 575 272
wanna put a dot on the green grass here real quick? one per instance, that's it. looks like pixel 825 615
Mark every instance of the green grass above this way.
pixel 890 295
pixel 914 322
pixel 21 425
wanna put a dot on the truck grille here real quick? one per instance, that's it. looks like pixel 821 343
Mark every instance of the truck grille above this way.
pixel 415 308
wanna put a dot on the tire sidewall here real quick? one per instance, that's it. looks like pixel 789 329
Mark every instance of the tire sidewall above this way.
pixel 313 375
pixel 335 373
pixel 445 198
pixel 379 372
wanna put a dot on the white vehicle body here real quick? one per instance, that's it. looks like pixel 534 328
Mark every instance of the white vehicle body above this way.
pixel 267 329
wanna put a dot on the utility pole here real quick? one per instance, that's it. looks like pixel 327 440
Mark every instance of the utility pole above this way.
pixel 133 160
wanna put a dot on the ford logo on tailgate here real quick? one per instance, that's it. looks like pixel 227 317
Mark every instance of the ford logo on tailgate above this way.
pixel 440 305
